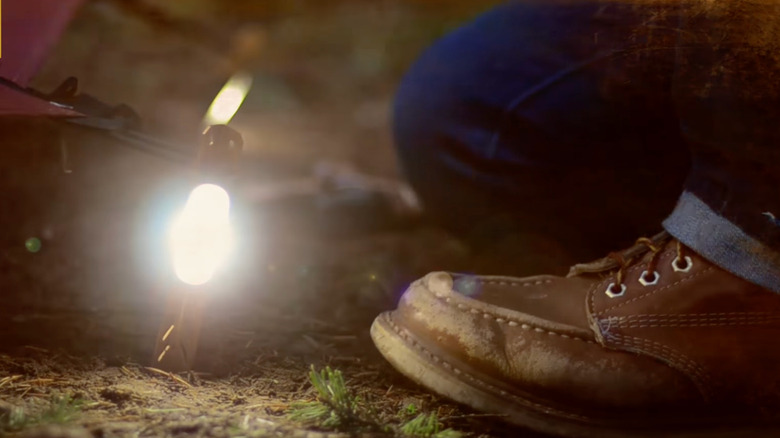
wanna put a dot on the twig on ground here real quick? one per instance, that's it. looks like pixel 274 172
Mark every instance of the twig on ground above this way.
pixel 8 379
pixel 171 376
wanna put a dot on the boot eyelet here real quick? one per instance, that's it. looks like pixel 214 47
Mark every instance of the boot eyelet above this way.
pixel 645 282
pixel 686 268
pixel 612 294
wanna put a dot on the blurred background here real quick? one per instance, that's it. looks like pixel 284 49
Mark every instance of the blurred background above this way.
pixel 324 70
pixel 83 265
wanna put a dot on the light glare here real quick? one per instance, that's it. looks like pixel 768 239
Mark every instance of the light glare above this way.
pixel 228 100
pixel 201 237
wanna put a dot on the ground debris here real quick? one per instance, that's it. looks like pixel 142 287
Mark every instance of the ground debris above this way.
pixel 117 396
pixel 129 400
pixel 57 432
pixel 170 375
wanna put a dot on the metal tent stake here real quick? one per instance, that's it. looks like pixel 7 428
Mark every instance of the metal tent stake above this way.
pixel 179 333
pixel 177 341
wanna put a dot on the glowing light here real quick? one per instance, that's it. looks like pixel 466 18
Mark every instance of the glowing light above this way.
pixel 228 100
pixel 201 237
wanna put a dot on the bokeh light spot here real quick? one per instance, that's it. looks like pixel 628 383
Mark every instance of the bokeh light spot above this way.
pixel 33 244
pixel 467 285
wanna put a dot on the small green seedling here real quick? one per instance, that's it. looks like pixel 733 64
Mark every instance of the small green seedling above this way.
pixel 62 409
pixel 427 426
pixel 337 408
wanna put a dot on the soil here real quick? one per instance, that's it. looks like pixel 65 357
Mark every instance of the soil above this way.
pixel 81 314
pixel 131 400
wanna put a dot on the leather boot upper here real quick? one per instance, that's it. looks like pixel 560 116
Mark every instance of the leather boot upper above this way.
pixel 694 341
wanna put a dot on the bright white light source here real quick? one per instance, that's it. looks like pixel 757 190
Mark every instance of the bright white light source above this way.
pixel 201 237
pixel 228 100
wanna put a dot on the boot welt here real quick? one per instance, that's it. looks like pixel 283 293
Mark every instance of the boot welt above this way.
pixel 437 372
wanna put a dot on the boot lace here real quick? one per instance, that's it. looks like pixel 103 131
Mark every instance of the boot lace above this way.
pixel 619 262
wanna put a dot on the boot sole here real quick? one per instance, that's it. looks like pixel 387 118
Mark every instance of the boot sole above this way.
pixel 457 381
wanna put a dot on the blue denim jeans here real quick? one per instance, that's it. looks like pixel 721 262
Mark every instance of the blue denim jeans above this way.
pixel 585 121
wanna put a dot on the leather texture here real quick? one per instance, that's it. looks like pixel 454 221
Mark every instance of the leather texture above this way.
pixel 696 347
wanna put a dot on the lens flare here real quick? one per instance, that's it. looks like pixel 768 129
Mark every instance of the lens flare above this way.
pixel 201 237
pixel 33 244
pixel 228 100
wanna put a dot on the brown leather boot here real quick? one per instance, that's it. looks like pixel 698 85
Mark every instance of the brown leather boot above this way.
pixel 654 341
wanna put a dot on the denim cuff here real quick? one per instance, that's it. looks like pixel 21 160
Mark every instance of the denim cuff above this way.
pixel 721 242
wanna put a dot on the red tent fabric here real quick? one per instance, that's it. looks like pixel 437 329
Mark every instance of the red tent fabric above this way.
pixel 30 28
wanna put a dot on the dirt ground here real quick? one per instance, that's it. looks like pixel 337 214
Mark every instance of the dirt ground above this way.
pixel 80 315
